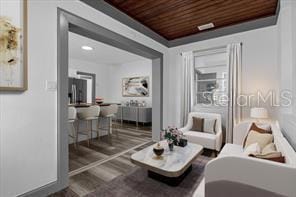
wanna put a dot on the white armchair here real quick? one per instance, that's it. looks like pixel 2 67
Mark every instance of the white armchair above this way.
pixel 207 140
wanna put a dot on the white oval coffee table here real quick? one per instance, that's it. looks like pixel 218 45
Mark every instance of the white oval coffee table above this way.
pixel 172 167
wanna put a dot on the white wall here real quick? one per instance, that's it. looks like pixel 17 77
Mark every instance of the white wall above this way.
pixel 102 71
pixel 109 77
pixel 287 62
pixel 260 64
pixel 286 53
pixel 294 56
pixel 131 69
pixel 28 121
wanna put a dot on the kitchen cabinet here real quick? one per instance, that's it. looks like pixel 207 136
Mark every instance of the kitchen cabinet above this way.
pixel 136 114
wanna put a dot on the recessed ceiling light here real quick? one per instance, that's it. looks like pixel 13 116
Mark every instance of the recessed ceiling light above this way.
pixel 206 26
pixel 87 48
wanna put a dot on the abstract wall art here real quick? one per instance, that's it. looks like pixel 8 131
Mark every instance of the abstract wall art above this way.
pixel 135 87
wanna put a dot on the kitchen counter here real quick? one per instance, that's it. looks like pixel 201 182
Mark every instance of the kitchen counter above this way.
pixel 142 114
pixel 108 104
pixel 79 105
pixel 135 106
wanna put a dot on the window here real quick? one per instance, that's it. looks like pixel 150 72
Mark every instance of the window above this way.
pixel 211 78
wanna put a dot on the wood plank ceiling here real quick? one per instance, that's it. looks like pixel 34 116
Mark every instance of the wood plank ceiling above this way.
pixel 174 19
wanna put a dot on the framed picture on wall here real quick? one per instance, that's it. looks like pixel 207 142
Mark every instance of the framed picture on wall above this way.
pixel 135 86
pixel 13 45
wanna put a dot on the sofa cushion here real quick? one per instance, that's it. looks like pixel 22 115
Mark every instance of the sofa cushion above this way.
pixel 232 150
pixel 197 124
pixel 205 139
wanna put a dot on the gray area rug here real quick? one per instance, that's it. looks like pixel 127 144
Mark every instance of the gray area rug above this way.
pixel 138 184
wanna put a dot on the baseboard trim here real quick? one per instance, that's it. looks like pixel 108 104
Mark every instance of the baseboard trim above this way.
pixel 44 190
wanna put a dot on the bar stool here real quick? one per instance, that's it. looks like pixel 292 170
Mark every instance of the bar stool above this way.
pixel 88 115
pixel 72 115
pixel 108 112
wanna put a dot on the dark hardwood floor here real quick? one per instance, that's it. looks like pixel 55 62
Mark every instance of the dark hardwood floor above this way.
pixel 129 136
pixel 111 162
pixel 88 181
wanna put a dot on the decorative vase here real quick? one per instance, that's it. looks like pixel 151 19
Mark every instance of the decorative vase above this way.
pixel 158 150
pixel 182 142
pixel 171 146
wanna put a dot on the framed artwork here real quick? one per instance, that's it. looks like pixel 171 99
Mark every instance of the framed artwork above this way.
pixel 135 87
pixel 13 45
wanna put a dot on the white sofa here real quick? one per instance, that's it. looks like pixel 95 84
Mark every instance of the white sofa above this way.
pixel 207 140
pixel 234 174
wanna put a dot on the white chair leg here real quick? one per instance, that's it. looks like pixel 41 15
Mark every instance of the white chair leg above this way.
pixel 77 133
pixel 98 128
pixel 114 127
pixel 91 130
pixel 110 129
pixel 74 134
pixel 88 128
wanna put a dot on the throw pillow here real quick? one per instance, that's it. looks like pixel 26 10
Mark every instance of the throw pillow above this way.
pixel 261 128
pixel 281 159
pixel 197 124
pixel 270 153
pixel 277 156
pixel 209 126
pixel 269 148
pixel 252 149
pixel 261 138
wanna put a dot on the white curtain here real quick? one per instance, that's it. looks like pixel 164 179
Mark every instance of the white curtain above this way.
pixel 187 94
pixel 234 52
